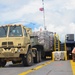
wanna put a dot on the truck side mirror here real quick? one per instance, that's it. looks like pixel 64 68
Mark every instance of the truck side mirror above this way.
pixel 29 31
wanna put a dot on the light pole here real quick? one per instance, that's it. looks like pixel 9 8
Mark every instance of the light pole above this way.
pixel 43 15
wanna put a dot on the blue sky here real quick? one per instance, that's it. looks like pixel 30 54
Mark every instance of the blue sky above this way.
pixel 59 14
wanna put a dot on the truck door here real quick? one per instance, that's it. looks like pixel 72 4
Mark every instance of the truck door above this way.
pixel 26 37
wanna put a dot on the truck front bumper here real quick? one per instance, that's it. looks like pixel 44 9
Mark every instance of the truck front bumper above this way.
pixel 13 52
pixel 9 54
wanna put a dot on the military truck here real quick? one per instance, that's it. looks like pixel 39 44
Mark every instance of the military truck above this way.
pixel 17 44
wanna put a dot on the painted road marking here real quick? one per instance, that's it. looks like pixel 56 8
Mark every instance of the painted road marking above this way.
pixel 73 66
pixel 36 68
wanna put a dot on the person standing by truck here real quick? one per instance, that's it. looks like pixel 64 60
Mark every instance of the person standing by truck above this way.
pixel 73 54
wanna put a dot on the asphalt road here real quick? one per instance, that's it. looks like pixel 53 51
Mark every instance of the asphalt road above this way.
pixel 47 67
pixel 16 69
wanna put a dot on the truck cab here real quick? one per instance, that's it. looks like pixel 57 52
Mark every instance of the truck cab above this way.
pixel 15 44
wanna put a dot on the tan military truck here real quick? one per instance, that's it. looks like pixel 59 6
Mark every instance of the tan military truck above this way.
pixel 17 46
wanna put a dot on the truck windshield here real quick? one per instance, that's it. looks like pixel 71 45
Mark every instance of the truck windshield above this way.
pixel 3 31
pixel 15 31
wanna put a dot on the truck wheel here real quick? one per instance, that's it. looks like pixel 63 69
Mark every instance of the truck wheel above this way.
pixel 28 59
pixel 2 63
pixel 51 56
pixel 36 58
pixel 39 56
pixel 44 57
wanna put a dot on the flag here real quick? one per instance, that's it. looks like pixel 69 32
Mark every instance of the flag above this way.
pixel 40 29
pixel 41 9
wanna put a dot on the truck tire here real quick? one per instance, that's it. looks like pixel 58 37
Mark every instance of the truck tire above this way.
pixel 2 63
pixel 36 58
pixel 44 57
pixel 28 59
pixel 40 56
pixel 51 55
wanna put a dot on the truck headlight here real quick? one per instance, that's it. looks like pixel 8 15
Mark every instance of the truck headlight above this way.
pixel 18 50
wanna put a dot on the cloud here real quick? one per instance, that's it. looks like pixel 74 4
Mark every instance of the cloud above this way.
pixel 23 11
pixel 59 14
pixel 70 4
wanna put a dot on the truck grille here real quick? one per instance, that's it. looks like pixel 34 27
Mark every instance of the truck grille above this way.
pixel 7 44
pixel 8 54
pixel 4 43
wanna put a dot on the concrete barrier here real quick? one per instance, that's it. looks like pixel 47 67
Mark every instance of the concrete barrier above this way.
pixel 59 55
